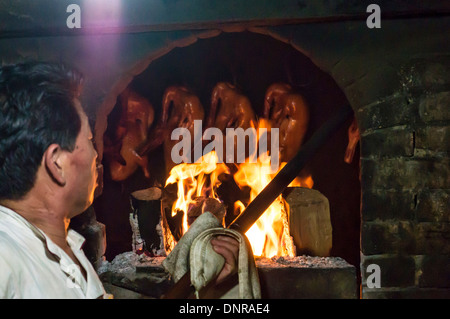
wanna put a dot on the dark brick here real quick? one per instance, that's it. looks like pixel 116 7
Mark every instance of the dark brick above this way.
pixel 392 237
pixel 425 73
pixel 395 270
pixel 434 138
pixel 405 293
pixel 435 107
pixel 432 238
pixel 375 239
pixel 435 271
pixel 433 205
pixel 391 111
pixel 389 237
pixel 390 142
pixel 374 202
pixel 405 173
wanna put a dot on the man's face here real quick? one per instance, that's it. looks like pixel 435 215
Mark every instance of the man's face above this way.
pixel 83 168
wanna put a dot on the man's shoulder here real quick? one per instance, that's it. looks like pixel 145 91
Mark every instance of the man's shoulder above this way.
pixel 6 239
pixel 9 247
pixel 16 233
pixel 9 262
pixel 17 249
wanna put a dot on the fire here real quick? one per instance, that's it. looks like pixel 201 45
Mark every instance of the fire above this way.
pixel 266 234
pixel 269 236
pixel 191 179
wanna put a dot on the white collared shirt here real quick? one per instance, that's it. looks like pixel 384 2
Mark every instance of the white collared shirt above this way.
pixel 33 266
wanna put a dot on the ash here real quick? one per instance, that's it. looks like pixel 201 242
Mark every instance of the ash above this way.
pixel 126 263
pixel 301 262
pixel 133 273
pixel 129 262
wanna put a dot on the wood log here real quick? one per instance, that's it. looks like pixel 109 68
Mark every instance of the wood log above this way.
pixel 309 221
pixel 145 220
pixel 206 204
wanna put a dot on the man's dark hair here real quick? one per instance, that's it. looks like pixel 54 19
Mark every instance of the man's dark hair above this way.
pixel 36 110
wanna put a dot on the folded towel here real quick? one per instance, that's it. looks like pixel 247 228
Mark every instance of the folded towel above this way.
pixel 194 252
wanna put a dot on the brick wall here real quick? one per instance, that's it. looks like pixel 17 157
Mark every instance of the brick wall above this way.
pixel 405 178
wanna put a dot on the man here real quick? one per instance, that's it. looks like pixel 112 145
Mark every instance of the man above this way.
pixel 47 176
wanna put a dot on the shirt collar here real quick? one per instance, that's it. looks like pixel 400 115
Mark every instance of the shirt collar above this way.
pixel 74 239
pixel 22 221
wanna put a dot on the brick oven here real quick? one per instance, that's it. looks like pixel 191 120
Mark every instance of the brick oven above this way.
pixel 389 207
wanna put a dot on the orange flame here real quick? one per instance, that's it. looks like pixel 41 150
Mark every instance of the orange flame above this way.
pixel 269 236
pixel 191 179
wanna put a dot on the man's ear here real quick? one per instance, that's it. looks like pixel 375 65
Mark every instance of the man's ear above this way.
pixel 54 158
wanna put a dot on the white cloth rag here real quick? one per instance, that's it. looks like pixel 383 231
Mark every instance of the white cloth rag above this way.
pixel 194 252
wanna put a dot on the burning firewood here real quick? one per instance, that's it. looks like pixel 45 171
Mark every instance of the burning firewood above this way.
pixel 186 188
pixel 206 204
pixel 173 218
